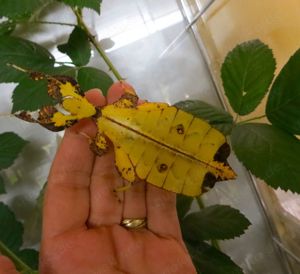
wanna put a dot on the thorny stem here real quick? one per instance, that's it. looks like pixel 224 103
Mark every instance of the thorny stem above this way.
pixel 21 266
pixel 215 244
pixel 52 23
pixel 79 11
pixel 200 202
pixel 97 46
pixel 236 118
pixel 252 119
pixel 201 205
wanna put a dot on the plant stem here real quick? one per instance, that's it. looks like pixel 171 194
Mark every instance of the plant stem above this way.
pixel 201 205
pixel 200 202
pixel 20 265
pixel 236 118
pixel 53 23
pixel 215 244
pixel 79 11
pixel 6 115
pixel 251 119
pixel 97 46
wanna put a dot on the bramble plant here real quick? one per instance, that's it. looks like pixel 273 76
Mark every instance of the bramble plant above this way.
pixel 268 150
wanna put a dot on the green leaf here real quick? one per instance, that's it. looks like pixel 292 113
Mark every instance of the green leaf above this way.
pixel 219 222
pixel 92 4
pixel 17 9
pixel 78 47
pixel 2 186
pixel 23 53
pixel 6 27
pixel 247 73
pixel 89 78
pixel 31 95
pixel 11 230
pixel 33 224
pixel 183 204
pixel 218 118
pixel 10 147
pixel 269 153
pixel 209 260
pixel 283 106
pixel 29 257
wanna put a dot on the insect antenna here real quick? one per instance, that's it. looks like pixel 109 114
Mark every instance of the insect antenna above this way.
pixel 6 115
pixel 18 68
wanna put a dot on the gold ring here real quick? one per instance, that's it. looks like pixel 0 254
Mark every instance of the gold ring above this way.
pixel 134 223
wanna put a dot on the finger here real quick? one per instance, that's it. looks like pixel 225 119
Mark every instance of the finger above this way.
pixel 135 201
pixel 95 97
pixel 6 266
pixel 161 212
pixel 117 90
pixel 106 203
pixel 134 197
pixel 67 195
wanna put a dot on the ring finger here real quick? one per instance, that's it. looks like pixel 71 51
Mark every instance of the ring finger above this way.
pixel 134 206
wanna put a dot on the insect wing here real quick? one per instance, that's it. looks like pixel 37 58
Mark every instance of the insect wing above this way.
pixel 70 105
pixel 166 147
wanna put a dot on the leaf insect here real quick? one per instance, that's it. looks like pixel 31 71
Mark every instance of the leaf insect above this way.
pixel 154 142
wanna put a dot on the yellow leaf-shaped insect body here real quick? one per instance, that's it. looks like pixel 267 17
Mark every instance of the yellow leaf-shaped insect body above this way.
pixel 155 142
pixel 164 146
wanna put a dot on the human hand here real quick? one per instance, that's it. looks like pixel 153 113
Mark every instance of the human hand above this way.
pixel 82 214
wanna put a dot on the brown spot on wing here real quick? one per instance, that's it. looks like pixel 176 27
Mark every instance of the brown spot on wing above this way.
pixel 180 129
pixel 222 153
pixel 162 167
pixel 208 182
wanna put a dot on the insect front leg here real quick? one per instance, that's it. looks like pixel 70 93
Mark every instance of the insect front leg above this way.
pixel 129 99
pixel 124 167
pixel 99 144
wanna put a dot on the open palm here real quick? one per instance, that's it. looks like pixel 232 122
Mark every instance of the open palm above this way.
pixel 83 212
